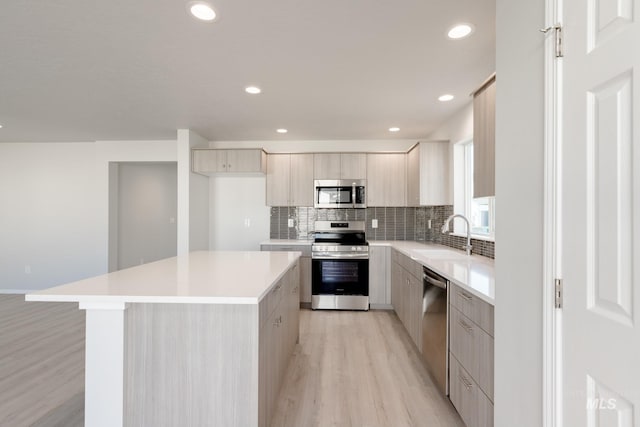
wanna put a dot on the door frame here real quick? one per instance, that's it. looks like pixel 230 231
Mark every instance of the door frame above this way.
pixel 552 225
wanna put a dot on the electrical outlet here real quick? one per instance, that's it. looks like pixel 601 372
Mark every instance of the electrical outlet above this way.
pixel 27 269
pixel 290 223
pixel 247 222
pixel 374 223
pixel 429 224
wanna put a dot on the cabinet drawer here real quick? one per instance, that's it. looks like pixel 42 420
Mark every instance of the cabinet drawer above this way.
pixel 473 307
pixel 473 348
pixel 473 406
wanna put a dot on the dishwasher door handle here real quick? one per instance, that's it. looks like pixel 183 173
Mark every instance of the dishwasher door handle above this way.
pixel 430 280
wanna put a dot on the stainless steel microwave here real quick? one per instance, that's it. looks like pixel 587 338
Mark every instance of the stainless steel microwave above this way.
pixel 340 193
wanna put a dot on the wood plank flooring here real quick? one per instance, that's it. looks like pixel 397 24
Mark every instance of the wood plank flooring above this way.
pixel 349 369
pixel 358 369
pixel 41 363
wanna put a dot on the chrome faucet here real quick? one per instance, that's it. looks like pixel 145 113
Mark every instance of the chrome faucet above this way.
pixel 445 230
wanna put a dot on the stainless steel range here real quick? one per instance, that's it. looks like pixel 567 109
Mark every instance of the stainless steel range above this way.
pixel 340 266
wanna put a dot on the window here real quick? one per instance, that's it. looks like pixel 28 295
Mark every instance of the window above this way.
pixel 481 211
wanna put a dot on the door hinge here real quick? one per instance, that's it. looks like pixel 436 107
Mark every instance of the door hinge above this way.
pixel 558 292
pixel 557 31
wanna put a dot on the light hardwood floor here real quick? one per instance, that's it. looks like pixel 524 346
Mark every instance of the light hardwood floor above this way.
pixel 349 369
pixel 41 363
pixel 358 369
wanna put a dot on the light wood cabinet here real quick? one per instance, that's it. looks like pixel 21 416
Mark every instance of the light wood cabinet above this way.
pixel 386 179
pixel 215 161
pixel 429 175
pixel 340 166
pixel 301 187
pixel 471 346
pixel 379 277
pixel 305 266
pixel 407 294
pixel 484 134
pixel 279 332
pixel 289 180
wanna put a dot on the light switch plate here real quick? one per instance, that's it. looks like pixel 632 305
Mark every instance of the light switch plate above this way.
pixel 374 223
pixel 290 223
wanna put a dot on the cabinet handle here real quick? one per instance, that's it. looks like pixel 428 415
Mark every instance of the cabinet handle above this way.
pixel 466 326
pixel 229 166
pixel 277 322
pixel 468 384
pixel 465 295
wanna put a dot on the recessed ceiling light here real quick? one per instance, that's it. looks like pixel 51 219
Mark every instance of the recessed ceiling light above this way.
pixel 282 130
pixel 202 10
pixel 0 126
pixel 394 129
pixel 445 98
pixel 460 31
pixel 253 90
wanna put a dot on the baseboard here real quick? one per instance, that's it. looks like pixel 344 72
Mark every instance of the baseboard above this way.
pixel 380 306
pixel 17 291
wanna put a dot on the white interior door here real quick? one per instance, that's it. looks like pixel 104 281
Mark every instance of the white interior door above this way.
pixel 600 249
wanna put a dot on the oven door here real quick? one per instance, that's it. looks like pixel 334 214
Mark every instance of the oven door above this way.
pixel 340 276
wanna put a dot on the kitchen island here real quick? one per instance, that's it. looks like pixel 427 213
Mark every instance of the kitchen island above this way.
pixel 198 339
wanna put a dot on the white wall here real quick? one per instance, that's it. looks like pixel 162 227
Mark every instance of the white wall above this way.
pixel 49 215
pixel 54 208
pixel 146 212
pixel 239 216
pixel 519 224
pixel 199 216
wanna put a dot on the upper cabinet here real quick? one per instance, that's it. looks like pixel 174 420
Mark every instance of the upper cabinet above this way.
pixel 484 133
pixel 386 179
pixel 339 166
pixel 290 180
pixel 428 175
pixel 214 161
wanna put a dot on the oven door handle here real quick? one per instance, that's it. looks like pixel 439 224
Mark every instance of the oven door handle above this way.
pixel 339 256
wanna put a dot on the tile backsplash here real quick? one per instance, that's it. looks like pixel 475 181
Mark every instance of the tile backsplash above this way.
pixel 393 224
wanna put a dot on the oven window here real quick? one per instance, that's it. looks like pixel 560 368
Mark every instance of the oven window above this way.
pixel 339 272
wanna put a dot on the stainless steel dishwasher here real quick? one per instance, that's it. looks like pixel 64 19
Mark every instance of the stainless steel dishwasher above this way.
pixel 435 327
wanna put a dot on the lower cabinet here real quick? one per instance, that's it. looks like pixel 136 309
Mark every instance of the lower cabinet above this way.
pixel 279 331
pixel 379 277
pixel 471 357
pixel 406 294
pixel 305 265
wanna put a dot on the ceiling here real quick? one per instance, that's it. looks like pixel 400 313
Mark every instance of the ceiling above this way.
pixel 85 70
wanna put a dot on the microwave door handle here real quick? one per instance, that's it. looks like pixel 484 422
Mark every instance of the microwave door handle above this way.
pixel 353 195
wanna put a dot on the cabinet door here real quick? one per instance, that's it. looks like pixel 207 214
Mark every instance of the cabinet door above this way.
pixel 435 174
pixel 484 123
pixel 353 166
pixel 326 166
pixel 208 161
pixel 278 177
pixel 301 185
pixel 245 161
pixel 386 179
pixel 396 288
pixel 305 279
pixel 378 274
pixel 413 177
pixel 415 310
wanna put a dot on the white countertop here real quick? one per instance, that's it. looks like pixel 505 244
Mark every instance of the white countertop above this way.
pixel 473 273
pixel 196 278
